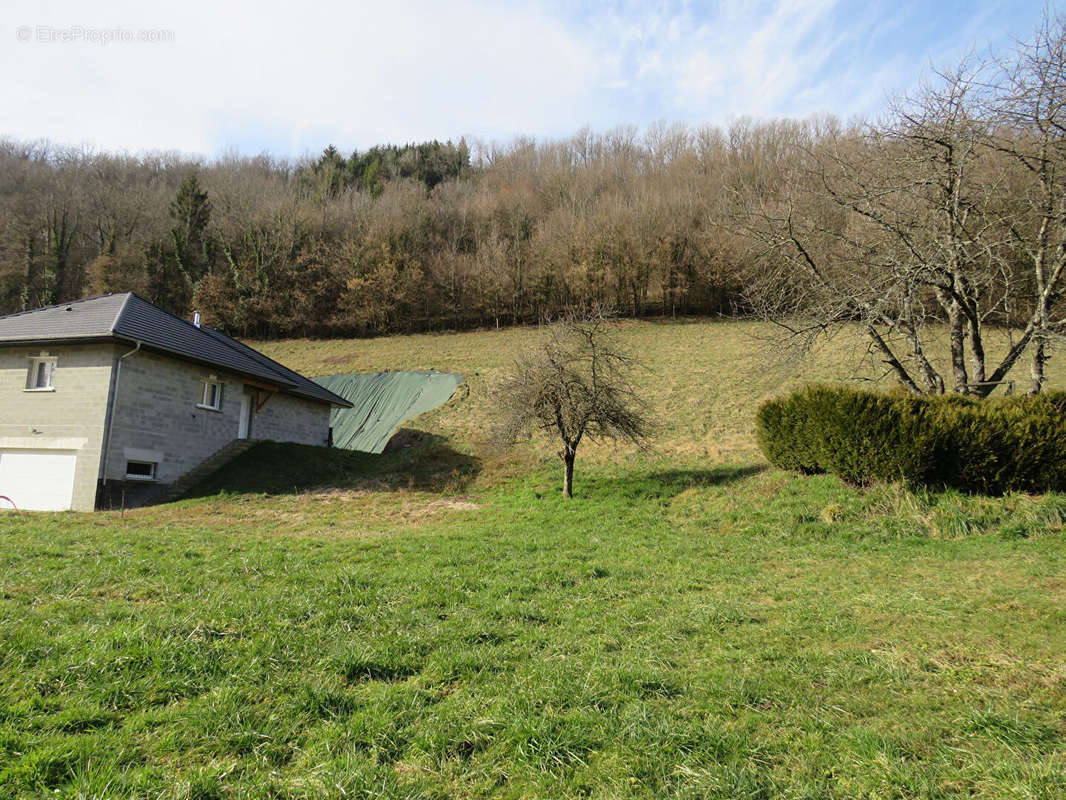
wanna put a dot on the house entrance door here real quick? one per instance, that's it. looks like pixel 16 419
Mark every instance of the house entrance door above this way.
pixel 246 416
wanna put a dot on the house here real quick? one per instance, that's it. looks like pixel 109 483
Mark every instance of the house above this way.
pixel 112 399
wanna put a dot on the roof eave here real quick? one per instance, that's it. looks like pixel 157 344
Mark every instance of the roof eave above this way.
pixel 287 388
pixel 94 338
pixel 54 341
pixel 183 356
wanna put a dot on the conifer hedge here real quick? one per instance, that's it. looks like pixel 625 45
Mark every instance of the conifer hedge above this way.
pixel 982 446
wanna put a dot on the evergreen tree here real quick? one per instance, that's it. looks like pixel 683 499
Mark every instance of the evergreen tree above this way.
pixel 191 213
pixel 175 267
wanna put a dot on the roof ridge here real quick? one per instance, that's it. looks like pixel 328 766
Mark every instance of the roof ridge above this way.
pixel 204 332
pixel 198 328
pixel 129 317
pixel 121 309
pixel 255 353
pixel 182 320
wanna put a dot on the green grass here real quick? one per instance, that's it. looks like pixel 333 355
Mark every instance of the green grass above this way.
pixel 438 622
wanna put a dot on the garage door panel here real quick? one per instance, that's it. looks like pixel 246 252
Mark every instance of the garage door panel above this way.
pixel 38 480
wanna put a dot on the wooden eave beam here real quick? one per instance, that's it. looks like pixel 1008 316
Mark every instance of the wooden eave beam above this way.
pixel 263 392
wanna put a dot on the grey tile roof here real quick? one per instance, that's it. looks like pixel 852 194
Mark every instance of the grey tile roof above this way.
pixel 133 319
pixel 92 318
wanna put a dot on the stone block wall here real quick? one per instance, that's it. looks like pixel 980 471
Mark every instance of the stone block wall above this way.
pixel 156 413
pixel 285 418
pixel 72 417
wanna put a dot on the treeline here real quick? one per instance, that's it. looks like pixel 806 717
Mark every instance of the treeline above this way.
pixel 427 236
pixel 428 163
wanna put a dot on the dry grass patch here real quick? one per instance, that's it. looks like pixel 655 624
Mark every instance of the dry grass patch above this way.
pixel 705 378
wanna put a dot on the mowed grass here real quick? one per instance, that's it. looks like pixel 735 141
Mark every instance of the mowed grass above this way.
pixel 438 622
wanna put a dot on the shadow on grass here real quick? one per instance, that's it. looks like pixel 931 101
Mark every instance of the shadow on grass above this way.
pixel 426 463
pixel 666 484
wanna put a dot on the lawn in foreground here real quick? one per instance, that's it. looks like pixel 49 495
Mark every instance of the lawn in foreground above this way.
pixel 674 632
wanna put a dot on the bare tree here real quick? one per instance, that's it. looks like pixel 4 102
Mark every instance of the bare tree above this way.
pixel 899 227
pixel 950 212
pixel 1029 107
pixel 576 384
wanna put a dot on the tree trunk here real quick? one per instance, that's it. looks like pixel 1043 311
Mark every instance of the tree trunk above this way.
pixel 958 344
pixel 1036 369
pixel 1040 354
pixel 890 359
pixel 977 348
pixel 568 472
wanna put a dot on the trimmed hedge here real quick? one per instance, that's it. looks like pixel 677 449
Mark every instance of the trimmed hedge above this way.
pixel 982 446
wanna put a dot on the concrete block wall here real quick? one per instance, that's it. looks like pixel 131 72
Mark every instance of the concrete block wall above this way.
pixel 285 418
pixel 70 418
pixel 156 412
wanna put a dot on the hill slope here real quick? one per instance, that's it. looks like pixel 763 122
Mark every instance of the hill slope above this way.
pixel 704 378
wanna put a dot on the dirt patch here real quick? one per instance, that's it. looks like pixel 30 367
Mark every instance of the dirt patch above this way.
pixel 453 505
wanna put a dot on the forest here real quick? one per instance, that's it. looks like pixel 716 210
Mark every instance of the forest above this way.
pixel 407 238
pixel 948 209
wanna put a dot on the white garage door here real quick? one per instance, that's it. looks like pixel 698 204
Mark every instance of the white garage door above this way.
pixel 37 480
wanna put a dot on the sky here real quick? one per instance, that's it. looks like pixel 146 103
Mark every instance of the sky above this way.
pixel 216 77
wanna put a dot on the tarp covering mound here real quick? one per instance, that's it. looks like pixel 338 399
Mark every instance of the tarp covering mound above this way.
pixel 383 401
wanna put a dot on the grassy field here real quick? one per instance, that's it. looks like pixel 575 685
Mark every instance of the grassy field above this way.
pixel 701 378
pixel 437 622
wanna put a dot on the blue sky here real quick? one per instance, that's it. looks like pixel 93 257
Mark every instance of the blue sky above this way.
pixel 291 78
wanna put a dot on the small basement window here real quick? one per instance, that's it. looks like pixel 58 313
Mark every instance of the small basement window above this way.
pixel 210 394
pixel 140 470
pixel 41 376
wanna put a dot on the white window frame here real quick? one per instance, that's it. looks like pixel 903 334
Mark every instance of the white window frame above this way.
pixel 133 476
pixel 205 394
pixel 36 364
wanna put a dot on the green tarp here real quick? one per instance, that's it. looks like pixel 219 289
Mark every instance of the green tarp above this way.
pixel 382 402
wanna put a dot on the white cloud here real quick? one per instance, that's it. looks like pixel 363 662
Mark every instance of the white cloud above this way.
pixel 306 73
pixel 293 78
pixel 746 58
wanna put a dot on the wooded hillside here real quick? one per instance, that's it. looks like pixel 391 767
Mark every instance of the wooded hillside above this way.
pixel 396 239
pixel 949 209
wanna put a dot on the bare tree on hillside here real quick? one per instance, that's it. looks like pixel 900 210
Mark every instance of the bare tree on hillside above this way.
pixel 1029 107
pixel 576 384
pixel 920 220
